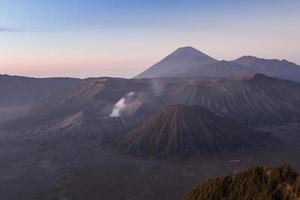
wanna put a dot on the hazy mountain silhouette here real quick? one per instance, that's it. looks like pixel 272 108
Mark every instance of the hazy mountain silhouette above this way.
pixel 189 62
pixel 271 67
pixel 18 94
pixel 217 69
pixel 17 90
pixel 178 62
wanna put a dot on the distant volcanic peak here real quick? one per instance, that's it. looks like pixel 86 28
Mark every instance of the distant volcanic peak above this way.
pixel 185 130
pixel 190 52
pixel 178 62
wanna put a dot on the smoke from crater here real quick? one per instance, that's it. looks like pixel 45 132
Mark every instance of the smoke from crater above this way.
pixel 126 105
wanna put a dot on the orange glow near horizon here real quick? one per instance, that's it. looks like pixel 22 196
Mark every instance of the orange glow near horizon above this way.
pixel 120 38
pixel 70 55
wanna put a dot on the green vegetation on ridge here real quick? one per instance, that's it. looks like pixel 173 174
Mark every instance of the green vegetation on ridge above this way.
pixel 256 183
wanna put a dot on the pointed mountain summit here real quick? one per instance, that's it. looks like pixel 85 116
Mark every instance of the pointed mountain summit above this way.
pixel 191 52
pixel 178 62
pixel 181 130
pixel 187 62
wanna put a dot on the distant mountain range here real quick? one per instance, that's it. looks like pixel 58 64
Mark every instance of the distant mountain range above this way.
pixel 190 62
pixel 218 101
pixel 85 110
pixel 19 91
pixel 18 94
pixel 221 115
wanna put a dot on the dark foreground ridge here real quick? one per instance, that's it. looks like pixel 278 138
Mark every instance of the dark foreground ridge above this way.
pixel 185 130
pixel 280 183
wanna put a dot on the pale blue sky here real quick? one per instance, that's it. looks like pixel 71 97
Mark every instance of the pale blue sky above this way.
pixel 122 37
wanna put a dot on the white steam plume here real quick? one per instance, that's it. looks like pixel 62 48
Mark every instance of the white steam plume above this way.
pixel 126 104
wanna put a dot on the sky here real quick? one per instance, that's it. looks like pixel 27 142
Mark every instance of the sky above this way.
pixel 92 38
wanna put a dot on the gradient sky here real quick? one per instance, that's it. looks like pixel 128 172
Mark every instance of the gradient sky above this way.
pixel 84 38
